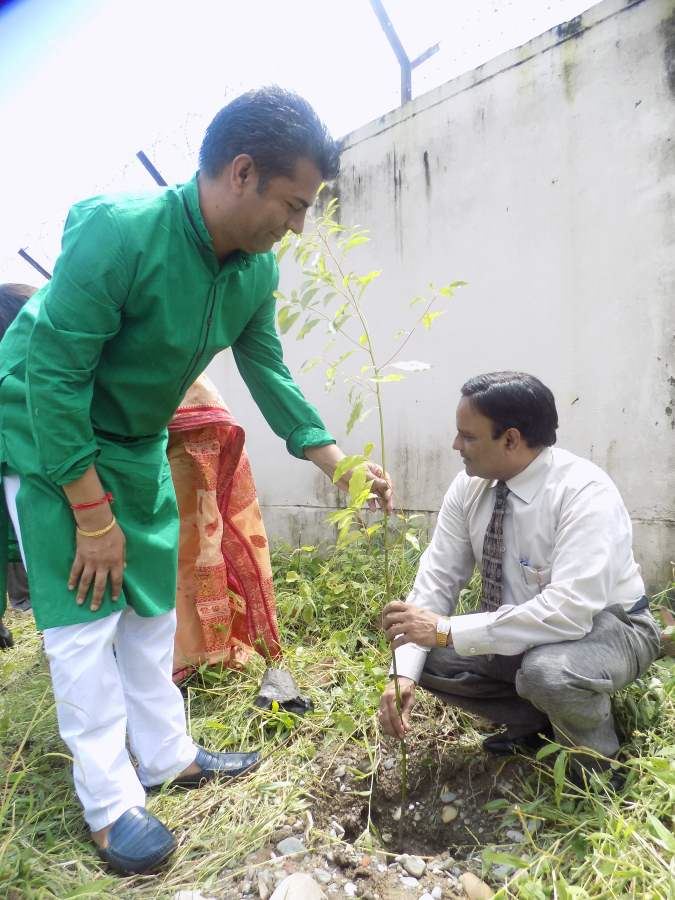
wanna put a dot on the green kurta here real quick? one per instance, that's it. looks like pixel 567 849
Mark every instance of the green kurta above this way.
pixel 95 365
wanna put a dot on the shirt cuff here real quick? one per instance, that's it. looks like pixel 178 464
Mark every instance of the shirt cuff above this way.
pixel 470 634
pixel 410 660
pixel 307 436
pixel 74 467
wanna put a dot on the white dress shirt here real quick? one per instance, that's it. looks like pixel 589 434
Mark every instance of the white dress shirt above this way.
pixel 568 555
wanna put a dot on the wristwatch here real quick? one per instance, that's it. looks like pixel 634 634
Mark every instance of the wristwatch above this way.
pixel 442 632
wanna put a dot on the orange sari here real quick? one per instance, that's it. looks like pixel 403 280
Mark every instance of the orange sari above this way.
pixel 225 601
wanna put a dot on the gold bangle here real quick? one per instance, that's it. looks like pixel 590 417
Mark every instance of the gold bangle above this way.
pixel 98 533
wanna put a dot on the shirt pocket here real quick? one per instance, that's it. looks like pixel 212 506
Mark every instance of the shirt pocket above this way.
pixel 533 576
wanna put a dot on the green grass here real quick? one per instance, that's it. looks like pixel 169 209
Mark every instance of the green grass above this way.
pixel 581 844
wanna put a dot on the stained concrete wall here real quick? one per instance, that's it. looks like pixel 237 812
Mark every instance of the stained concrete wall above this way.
pixel 544 179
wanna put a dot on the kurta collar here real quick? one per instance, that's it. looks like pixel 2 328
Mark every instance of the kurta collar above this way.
pixel 197 226
pixel 191 196
pixel 526 484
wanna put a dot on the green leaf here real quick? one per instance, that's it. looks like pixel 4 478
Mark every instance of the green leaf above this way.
pixel 429 317
pixel 661 833
pixel 449 289
pixel 309 364
pixel 358 485
pixel 308 295
pixel 493 805
pixel 306 328
pixel 365 280
pixel 547 750
pixel 349 462
pixel 495 858
pixel 308 613
pixel 559 769
pixel 368 448
pixel 355 241
pixel 284 247
pixel 355 415
pixel 363 340
pixel 292 576
pixel 286 319
pixel 382 379
pixel 412 539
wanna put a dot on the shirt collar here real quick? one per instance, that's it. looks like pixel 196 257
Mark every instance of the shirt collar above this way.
pixel 526 484
pixel 196 224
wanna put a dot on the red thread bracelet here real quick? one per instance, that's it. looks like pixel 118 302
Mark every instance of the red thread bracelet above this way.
pixel 106 498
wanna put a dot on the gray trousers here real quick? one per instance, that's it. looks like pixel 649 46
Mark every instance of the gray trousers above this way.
pixel 568 684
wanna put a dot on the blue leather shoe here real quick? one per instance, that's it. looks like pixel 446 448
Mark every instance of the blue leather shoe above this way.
pixel 218 765
pixel 137 843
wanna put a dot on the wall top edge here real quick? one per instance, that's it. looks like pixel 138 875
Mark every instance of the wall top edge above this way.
pixel 559 34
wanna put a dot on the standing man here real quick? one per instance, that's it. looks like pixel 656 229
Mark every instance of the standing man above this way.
pixel 145 293
pixel 563 623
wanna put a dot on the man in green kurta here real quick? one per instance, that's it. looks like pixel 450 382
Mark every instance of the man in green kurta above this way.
pixel 146 291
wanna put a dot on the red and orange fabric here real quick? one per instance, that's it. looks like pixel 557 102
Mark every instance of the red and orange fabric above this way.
pixel 225 602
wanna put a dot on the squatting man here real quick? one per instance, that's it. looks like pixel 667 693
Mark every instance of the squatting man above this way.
pixel 563 622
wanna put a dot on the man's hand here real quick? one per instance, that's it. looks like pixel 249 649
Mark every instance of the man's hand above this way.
pixel 327 458
pixel 390 721
pixel 96 560
pixel 404 623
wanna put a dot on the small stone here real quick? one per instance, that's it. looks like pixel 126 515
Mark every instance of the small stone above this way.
pixel 448 796
pixel 474 888
pixel 408 881
pixel 396 815
pixel 389 763
pixel 336 829
pixel 413 865
pixel 426 896
pixel 516 836
pixel 265 885
pixel 291 845
pixel 437 892
pixel 246 887
pixel 417 817
pixel 349 888
pixel 298 886
pixel 501 872
pixel 341 771
pixel 190 895
pixel 381 867
pixel 446 864
pixel 298 826
pixel 449 814
pixel 387 837
pixel 323 876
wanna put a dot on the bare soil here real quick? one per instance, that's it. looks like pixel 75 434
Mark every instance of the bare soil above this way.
pixel 442 773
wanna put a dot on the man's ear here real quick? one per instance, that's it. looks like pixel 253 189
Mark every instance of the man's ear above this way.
pixel 513 439
pixel 242 172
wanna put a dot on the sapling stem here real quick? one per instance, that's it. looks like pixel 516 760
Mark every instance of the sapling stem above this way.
pixel 319 261
pixel 385 526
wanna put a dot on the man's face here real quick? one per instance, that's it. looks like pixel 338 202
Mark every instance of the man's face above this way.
pixel 264 218
pixel 483 455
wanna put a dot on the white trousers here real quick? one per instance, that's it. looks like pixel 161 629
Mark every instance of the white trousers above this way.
pixel 112 677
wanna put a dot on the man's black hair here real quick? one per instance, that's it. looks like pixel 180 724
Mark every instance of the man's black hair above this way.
pixel 12 298
pixel 275 128
pixel 515 400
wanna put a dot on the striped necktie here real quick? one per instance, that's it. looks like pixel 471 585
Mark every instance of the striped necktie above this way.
pixel 493 553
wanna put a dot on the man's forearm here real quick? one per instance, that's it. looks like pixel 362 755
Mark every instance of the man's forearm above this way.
pixel 88 489
pixel 325 458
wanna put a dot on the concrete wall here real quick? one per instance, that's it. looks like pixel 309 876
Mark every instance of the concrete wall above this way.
pixel 545 179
